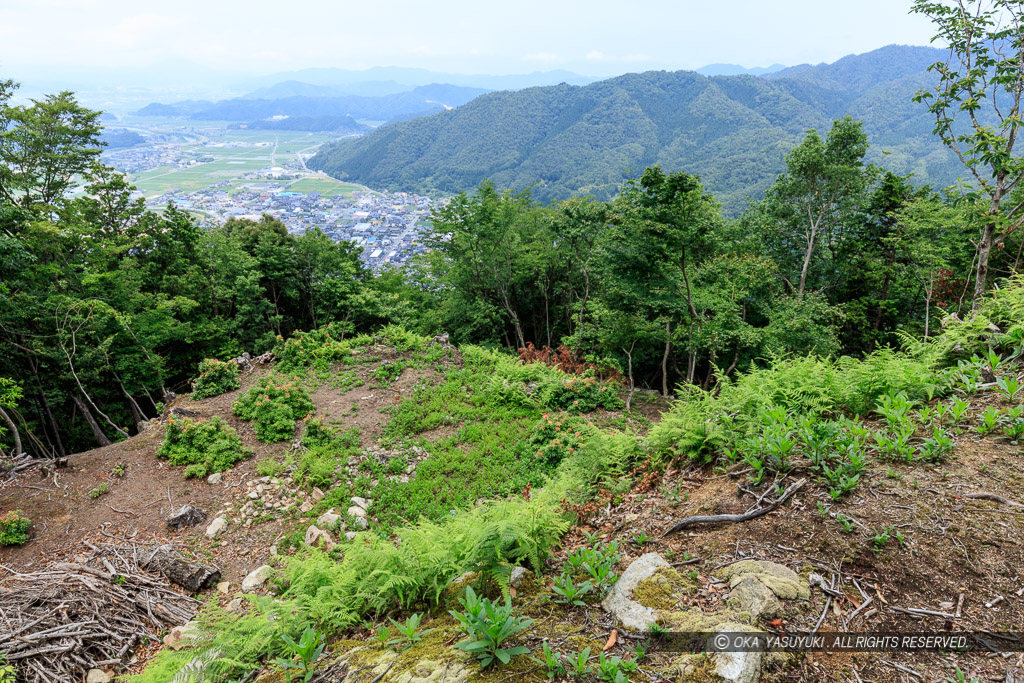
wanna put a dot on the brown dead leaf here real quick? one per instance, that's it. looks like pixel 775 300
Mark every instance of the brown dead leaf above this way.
pixel 612 639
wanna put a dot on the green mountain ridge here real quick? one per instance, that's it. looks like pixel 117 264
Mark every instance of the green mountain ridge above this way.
pixel 733 131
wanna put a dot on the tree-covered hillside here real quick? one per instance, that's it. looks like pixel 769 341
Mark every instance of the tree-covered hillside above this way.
pixel 732 131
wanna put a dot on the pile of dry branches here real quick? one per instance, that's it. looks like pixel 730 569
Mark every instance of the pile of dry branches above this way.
pixel 58 623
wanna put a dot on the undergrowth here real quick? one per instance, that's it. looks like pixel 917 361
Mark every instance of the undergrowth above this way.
pixel 205 446
pixel 273 406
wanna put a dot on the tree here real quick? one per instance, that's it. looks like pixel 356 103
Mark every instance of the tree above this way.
pixel 43 147
pixel 812 203
pixel 977 107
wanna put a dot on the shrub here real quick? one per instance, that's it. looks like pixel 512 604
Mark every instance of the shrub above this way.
pixel 553 438
pixel 273 408
pixel 214 378
pixel 205 446
pixel 316 349
pixel 579 395
pixel 14 528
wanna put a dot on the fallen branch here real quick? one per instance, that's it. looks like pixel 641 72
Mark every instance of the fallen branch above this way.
pixel 734 519
pixel 985 495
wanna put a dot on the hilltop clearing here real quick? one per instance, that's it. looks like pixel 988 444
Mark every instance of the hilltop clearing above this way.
pixel 389 476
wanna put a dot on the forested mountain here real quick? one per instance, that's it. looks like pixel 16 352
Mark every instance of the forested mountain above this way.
pixel 732 131
pixel 325 123
pixel 422 100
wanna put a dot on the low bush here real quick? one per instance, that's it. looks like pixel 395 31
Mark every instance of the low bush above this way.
pixel 205 446
pixel 273 407
pixel 579 395
pixel 317 349
pixel 215 377
pixel 14 528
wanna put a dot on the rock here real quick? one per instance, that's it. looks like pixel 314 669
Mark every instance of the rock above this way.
pixel 253 495
pixel 518 574
pixel 98 676
pixel 187 515
pixel 431 671
pixel 783 581
pixel 360 522
pixel 180 636
pixel 236 605
pixel 328 520
pixel 216 528
pixel 750 595
pixel 442 338
pixel 361 502
pixel 306 507
pixel 256 578
pixel 223 587
pixel 619 603
pixel 273 551
pixel 315 536
pixel 317 494
pixel 350 535
pixel 215 478
pixel 356 511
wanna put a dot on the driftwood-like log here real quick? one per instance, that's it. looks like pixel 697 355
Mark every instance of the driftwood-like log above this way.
pixel 170 564
pixel 734 519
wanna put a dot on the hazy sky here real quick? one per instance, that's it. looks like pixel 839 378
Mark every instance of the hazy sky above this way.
pixel 596 37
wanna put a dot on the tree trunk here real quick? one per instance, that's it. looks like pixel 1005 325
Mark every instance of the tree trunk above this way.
pixel 14 432
pixel 97 433
pixel 807 260
pixel 664 359
pixel 629 366
pixel 981 271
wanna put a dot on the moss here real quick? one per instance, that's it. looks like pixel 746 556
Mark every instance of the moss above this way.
pixel 694 669
pixel 664 589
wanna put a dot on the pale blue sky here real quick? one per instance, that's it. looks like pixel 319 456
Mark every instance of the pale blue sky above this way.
pixel 596 37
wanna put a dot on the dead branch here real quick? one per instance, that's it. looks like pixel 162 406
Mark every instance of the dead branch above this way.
pixel 734 519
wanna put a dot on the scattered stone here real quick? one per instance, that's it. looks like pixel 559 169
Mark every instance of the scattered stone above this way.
pixel 316 536
pixel 273 551
pixel 188 515
pixel 306 507
pixel 256 578
pixel 215 478
pixel 216 528
pixel 317 494
pixel 236 605
pixel 98 676
pixel 180 636
pixel 350 535
pixel 356 511
pixel 518 574
pixel 360 522
pixel 328 520
pixel 361 502
pixel 783 581
pixel 619 601
pixel 223 587
pixel 253 495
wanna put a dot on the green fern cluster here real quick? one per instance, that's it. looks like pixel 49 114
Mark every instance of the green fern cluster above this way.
pixel 205 446
pixel 273 406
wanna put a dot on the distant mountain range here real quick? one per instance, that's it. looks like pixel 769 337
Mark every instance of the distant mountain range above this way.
pixel 344 125
pixel 319 101
pixel 405 78
pixel 737 70
pixel 734 131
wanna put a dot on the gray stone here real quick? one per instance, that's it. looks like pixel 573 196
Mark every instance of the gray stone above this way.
pixel 256 578
pixel 306 507
pixel 518 574
pixel 187 515
pixel 361 522
pixel 315 536
pixel 619 601
pixel 328 520
pixel 216 528
pixel 350 535
pixel 215 478
pixel 737 667
pixel 750 595
pixel 356 511
pixel 98 676
pixel 317 494
pixel 361 502
pixel 236 605
pixel 181 636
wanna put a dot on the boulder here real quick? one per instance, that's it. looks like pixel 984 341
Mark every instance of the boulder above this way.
pixel 356 511
pixel 361 502
pixel 181 636
pixel 256 578
pixel 215 478
pixel 619 601
pixel 98 676
pixel 187 515
pixel 328 520
pixel 315 536
pixel 216 528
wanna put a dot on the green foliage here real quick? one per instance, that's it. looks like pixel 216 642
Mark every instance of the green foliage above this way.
pixel 307 651
pixel 273 407
pixel 215 377
pixel 487 626
pixel 317 349
pixel 552 661
pixel 205 446
pixel 100 490
pixel 14 528
pixel 409 631
pixel 569 593
pixel 579 395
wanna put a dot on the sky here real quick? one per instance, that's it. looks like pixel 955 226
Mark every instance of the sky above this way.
pixel 136 40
